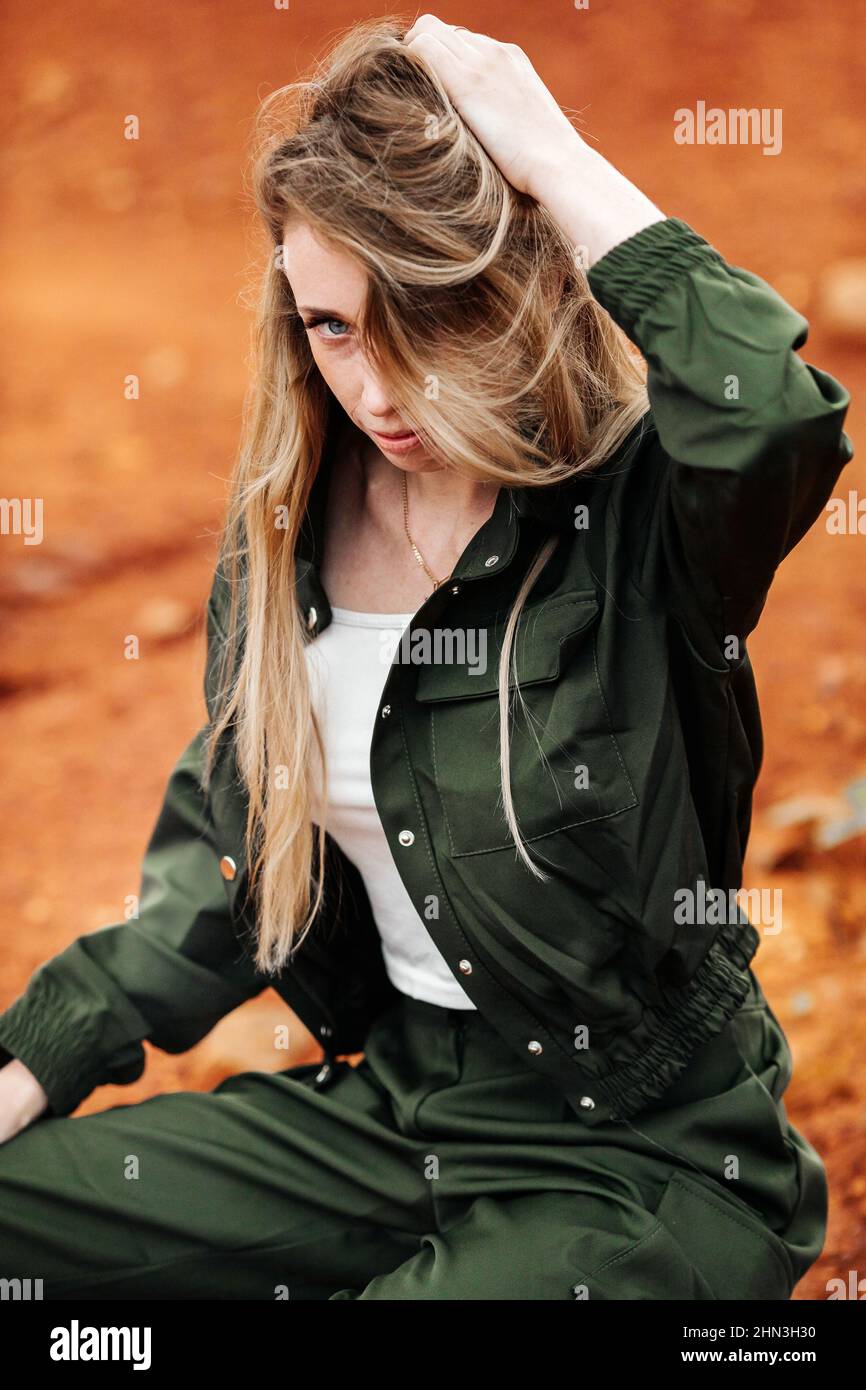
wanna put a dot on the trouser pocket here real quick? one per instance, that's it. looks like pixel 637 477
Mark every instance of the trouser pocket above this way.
pixel 728 1243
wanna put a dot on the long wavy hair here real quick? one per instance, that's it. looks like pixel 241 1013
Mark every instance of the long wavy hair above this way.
pixel 478 311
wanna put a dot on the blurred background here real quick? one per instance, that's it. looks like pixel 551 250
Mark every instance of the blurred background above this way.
pixel 134 257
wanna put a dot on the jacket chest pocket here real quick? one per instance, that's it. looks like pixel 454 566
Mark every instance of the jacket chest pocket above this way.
pixel 566 768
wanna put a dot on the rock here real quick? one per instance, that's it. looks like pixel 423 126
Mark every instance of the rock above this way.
pixel 162 618
pixel 801 1004
pixel 165 367
pixel 842 298
pixel 833 670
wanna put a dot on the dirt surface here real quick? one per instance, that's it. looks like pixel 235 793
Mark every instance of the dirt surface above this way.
pixel 132 257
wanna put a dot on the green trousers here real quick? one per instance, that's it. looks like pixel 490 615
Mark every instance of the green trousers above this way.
pixel 437 1168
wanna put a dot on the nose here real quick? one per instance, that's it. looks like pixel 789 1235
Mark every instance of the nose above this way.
pixel 375 400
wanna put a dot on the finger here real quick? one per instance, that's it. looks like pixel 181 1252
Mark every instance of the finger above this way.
pixel 450 65
pixel 452 36
pixel 426 23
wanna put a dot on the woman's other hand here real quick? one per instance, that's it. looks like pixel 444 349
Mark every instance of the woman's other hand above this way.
pixel 22 1099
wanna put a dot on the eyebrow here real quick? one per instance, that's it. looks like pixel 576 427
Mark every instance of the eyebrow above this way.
pixel 325 313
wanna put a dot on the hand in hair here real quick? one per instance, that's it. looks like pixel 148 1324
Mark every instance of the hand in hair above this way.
pixel 491 84
pixel 502 99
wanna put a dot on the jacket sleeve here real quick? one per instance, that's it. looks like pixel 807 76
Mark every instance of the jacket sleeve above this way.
pixel 167 976
pixel 749 437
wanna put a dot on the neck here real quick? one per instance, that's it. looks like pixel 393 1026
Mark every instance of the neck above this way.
pixel 437 494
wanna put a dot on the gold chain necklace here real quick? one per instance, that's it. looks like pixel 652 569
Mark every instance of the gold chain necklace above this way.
pixel 417 553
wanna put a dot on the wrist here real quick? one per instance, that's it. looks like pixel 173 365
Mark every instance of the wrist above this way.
pixel 22 1093
pixel 561 158
pixel 594 204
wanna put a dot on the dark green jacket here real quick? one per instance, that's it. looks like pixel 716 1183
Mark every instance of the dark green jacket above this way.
pixel 642 705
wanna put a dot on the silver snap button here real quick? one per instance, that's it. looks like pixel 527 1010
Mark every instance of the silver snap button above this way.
pixel 406 837
pixel 326 1030
pixel 535 1048
pixel 465 967
pixel 587 1102
pixel 455 588
pixel 491 560
pixel 228 867
pixel 386 710
pixel 312 618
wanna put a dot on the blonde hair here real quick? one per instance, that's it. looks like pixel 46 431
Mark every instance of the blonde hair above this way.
pixel 481 317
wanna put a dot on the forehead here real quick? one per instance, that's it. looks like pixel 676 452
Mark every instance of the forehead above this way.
pixel 321 273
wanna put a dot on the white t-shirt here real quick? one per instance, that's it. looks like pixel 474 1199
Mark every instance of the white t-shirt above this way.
pixel 348 665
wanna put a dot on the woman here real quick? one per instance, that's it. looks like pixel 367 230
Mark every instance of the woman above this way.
pixel 501 857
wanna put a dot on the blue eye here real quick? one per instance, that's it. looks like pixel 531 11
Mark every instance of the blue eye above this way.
pixel 328 337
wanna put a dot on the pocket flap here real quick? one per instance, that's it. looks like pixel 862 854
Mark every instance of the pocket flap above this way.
pixel 735 1251
pixel 543 635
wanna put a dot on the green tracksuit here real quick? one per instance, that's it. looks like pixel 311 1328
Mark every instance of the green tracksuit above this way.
pixel 613 1116
pixel 438 1168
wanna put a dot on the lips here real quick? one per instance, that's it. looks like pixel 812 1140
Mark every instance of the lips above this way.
pixel 406 442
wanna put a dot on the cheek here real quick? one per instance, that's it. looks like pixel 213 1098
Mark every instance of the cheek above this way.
pixel 338 372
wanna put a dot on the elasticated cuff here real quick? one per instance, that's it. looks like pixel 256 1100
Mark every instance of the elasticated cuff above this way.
pixel 64 1047
pixel 633 274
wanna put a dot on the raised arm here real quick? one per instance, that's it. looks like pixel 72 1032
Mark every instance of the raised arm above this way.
pixel 750 437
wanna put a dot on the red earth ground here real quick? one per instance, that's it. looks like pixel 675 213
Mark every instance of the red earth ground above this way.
pixel 134 257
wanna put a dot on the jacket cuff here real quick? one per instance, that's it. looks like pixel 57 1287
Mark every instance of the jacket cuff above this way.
pixel 65 1047
pixel 634 273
